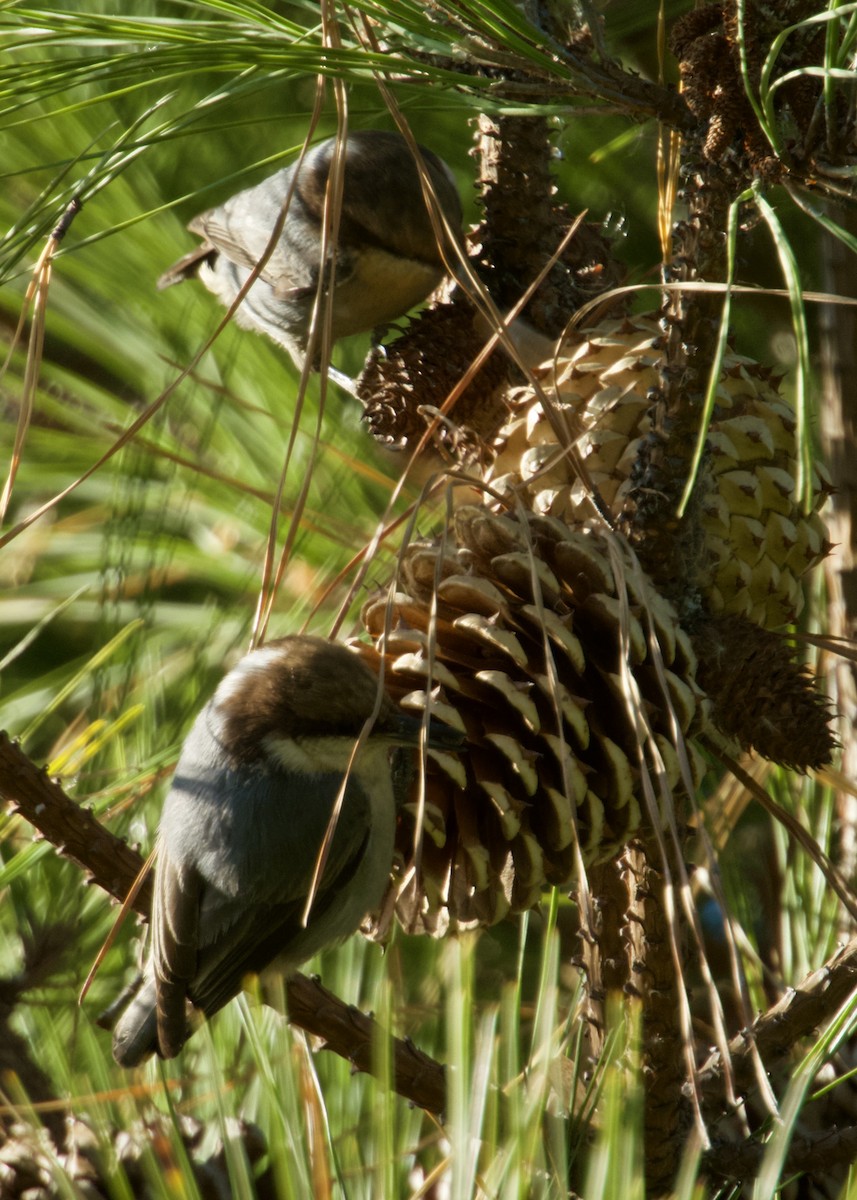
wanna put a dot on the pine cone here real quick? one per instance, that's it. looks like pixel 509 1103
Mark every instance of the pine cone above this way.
pixel 756 544
pixel 513 631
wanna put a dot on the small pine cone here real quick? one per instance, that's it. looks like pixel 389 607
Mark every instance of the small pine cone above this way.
pixel 762 698
pixel 756 543
pixel 405 383
pixel 516 631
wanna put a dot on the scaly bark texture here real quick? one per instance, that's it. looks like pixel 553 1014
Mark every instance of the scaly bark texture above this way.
pixel 838 424
pixel 656 984
pixel 603 945
pixel 523 226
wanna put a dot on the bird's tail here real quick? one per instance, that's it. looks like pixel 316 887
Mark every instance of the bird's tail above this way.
pixel 135 1035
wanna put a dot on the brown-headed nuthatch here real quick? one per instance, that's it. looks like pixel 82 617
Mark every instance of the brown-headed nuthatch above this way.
pixel 242 827
pixel 387 257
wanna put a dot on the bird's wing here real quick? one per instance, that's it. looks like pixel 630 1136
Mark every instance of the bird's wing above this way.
pixel 240 229
pixel 266 932
pixel 240 243
pixel 175 925
pixel 265 843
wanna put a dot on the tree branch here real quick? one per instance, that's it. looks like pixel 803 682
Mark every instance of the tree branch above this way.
pixel 800 1011
pixel 814 1152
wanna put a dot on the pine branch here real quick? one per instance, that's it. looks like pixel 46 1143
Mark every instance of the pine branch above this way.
pixel 800 1011
pixel 109 862
pixel 814 1152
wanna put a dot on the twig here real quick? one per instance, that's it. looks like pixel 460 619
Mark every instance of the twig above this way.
pixel 110 862
pixel 800 1011
pixel 352 1034
pixel 814 1152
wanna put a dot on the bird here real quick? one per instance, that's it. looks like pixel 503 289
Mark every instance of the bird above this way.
pixel 242 826
pixel 387 255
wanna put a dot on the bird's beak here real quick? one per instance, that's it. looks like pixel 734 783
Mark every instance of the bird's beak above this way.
pixel 405 729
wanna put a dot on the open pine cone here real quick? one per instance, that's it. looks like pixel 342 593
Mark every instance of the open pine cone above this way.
pixel 534 628
pixel 757 543
pixel 515 629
